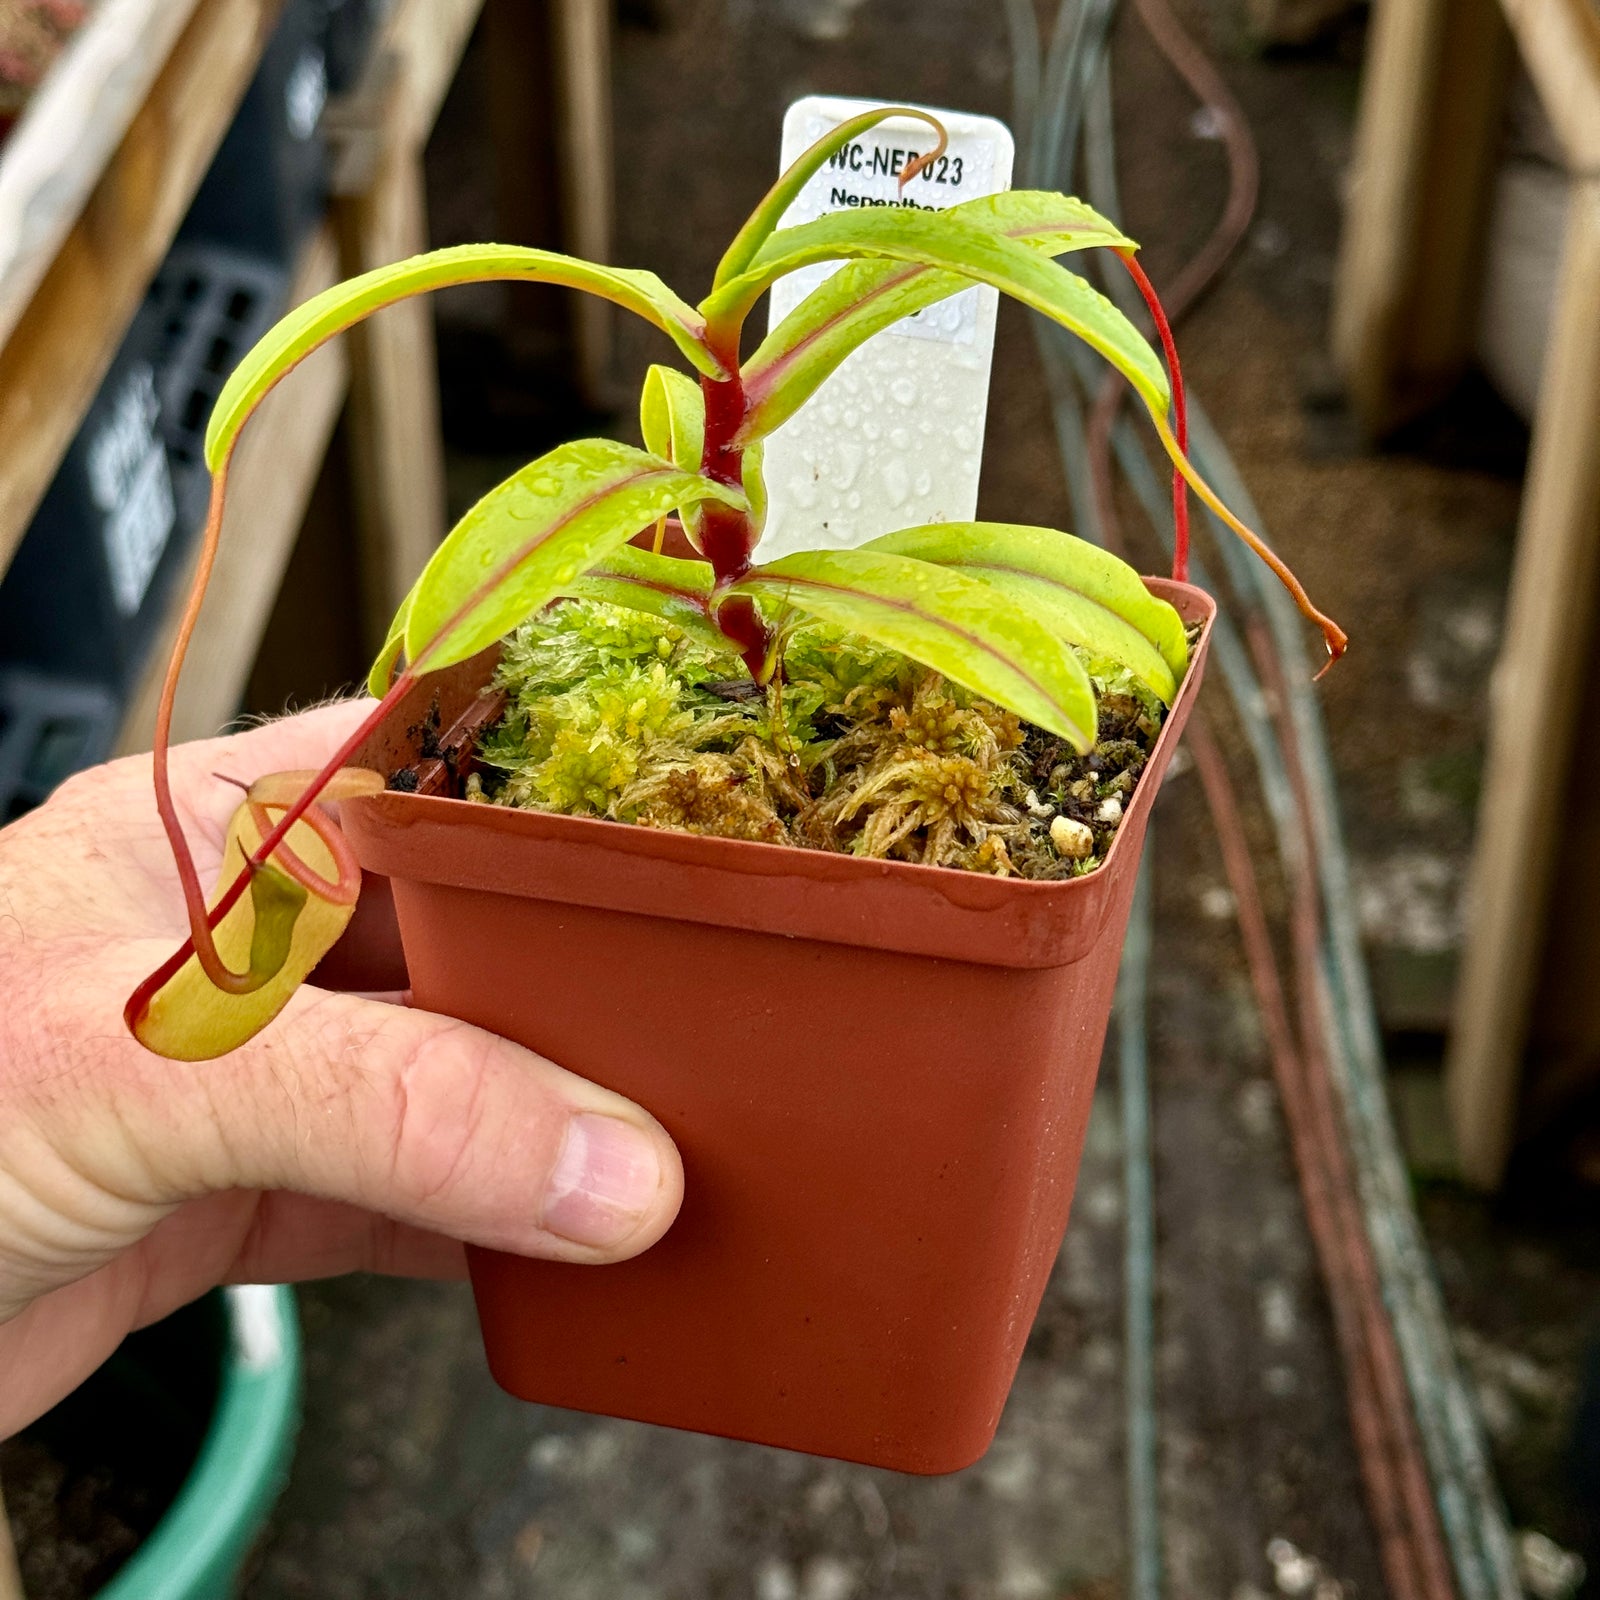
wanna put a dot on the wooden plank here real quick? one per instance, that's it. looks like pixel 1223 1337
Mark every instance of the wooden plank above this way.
pixel 1549 632
pixel 582 56
pixel 57 152
pixel 63 342
pixel 521 91
pixel 1438 322
pixel 1386 174
pixel 1561 1058
pixel 426 38
pixel 549 72
pixel 1411 255
pixel 396 448
pixel 1560 43
pixel 540 328
pixel 274 471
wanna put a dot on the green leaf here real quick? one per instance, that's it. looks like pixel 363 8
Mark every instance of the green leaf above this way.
pixel 936 239
pixel 672 418
pixel 381 673
pixel 675 590
pixel 777 200
pixel 324 315
pixel 532 537
pixel 957 625
pixel 752 474
pixel 276 901
pixel 1084 593
pixel 864 297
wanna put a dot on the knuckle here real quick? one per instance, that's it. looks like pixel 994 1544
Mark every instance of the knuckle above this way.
pixel 439 1136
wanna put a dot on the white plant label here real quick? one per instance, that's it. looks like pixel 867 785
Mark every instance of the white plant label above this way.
pixel 895 437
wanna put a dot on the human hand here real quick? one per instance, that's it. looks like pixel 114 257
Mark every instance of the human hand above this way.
pixel 353 1134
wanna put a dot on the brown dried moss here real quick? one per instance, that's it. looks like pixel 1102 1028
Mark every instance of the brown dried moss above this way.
pixel 859 750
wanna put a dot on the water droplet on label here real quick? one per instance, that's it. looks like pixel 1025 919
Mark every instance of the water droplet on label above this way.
pixel 896 482
pixel 924 483
pixel 904 391
pixel 853 500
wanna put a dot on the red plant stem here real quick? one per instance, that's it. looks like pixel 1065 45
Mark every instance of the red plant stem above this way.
pixel 342 890
pixel 202 921
pixel 1180 416
pixel 1200 272
pixel 727 535
pixel 194 899
pixel 721 459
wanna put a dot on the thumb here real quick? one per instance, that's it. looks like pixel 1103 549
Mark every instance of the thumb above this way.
pixel 431 1122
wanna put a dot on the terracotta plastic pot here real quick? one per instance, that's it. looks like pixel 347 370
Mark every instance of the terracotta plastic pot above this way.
pixel 879 1075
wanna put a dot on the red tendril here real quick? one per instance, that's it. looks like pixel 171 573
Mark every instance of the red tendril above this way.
pixel 1180 416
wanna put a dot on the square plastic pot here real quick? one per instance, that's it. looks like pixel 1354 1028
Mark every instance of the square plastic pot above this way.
pixel 879 1075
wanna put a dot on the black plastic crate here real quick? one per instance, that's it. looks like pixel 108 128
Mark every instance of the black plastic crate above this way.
pixel 213 304
pixel 90 582
pixel 85 586
pixel 49 729
pixel 268 186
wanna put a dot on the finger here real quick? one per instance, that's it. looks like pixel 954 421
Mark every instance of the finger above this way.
pixel 286 744
pixel 294 1238
pixel 205 779
pixel 425 1120
pixel 207 773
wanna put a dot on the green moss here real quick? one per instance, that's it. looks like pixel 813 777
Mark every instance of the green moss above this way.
pixel 857 749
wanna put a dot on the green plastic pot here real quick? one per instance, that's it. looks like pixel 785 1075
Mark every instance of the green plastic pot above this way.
pixel 199 1546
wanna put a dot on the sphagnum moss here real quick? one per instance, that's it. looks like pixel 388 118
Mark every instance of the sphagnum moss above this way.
pixel 854 748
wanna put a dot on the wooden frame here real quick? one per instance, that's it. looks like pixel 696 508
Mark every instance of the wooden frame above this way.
pixel 64 331
pixel 1404 308
pixel 117 145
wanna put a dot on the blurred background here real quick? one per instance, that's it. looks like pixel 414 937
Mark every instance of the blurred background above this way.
pixel 1383 225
